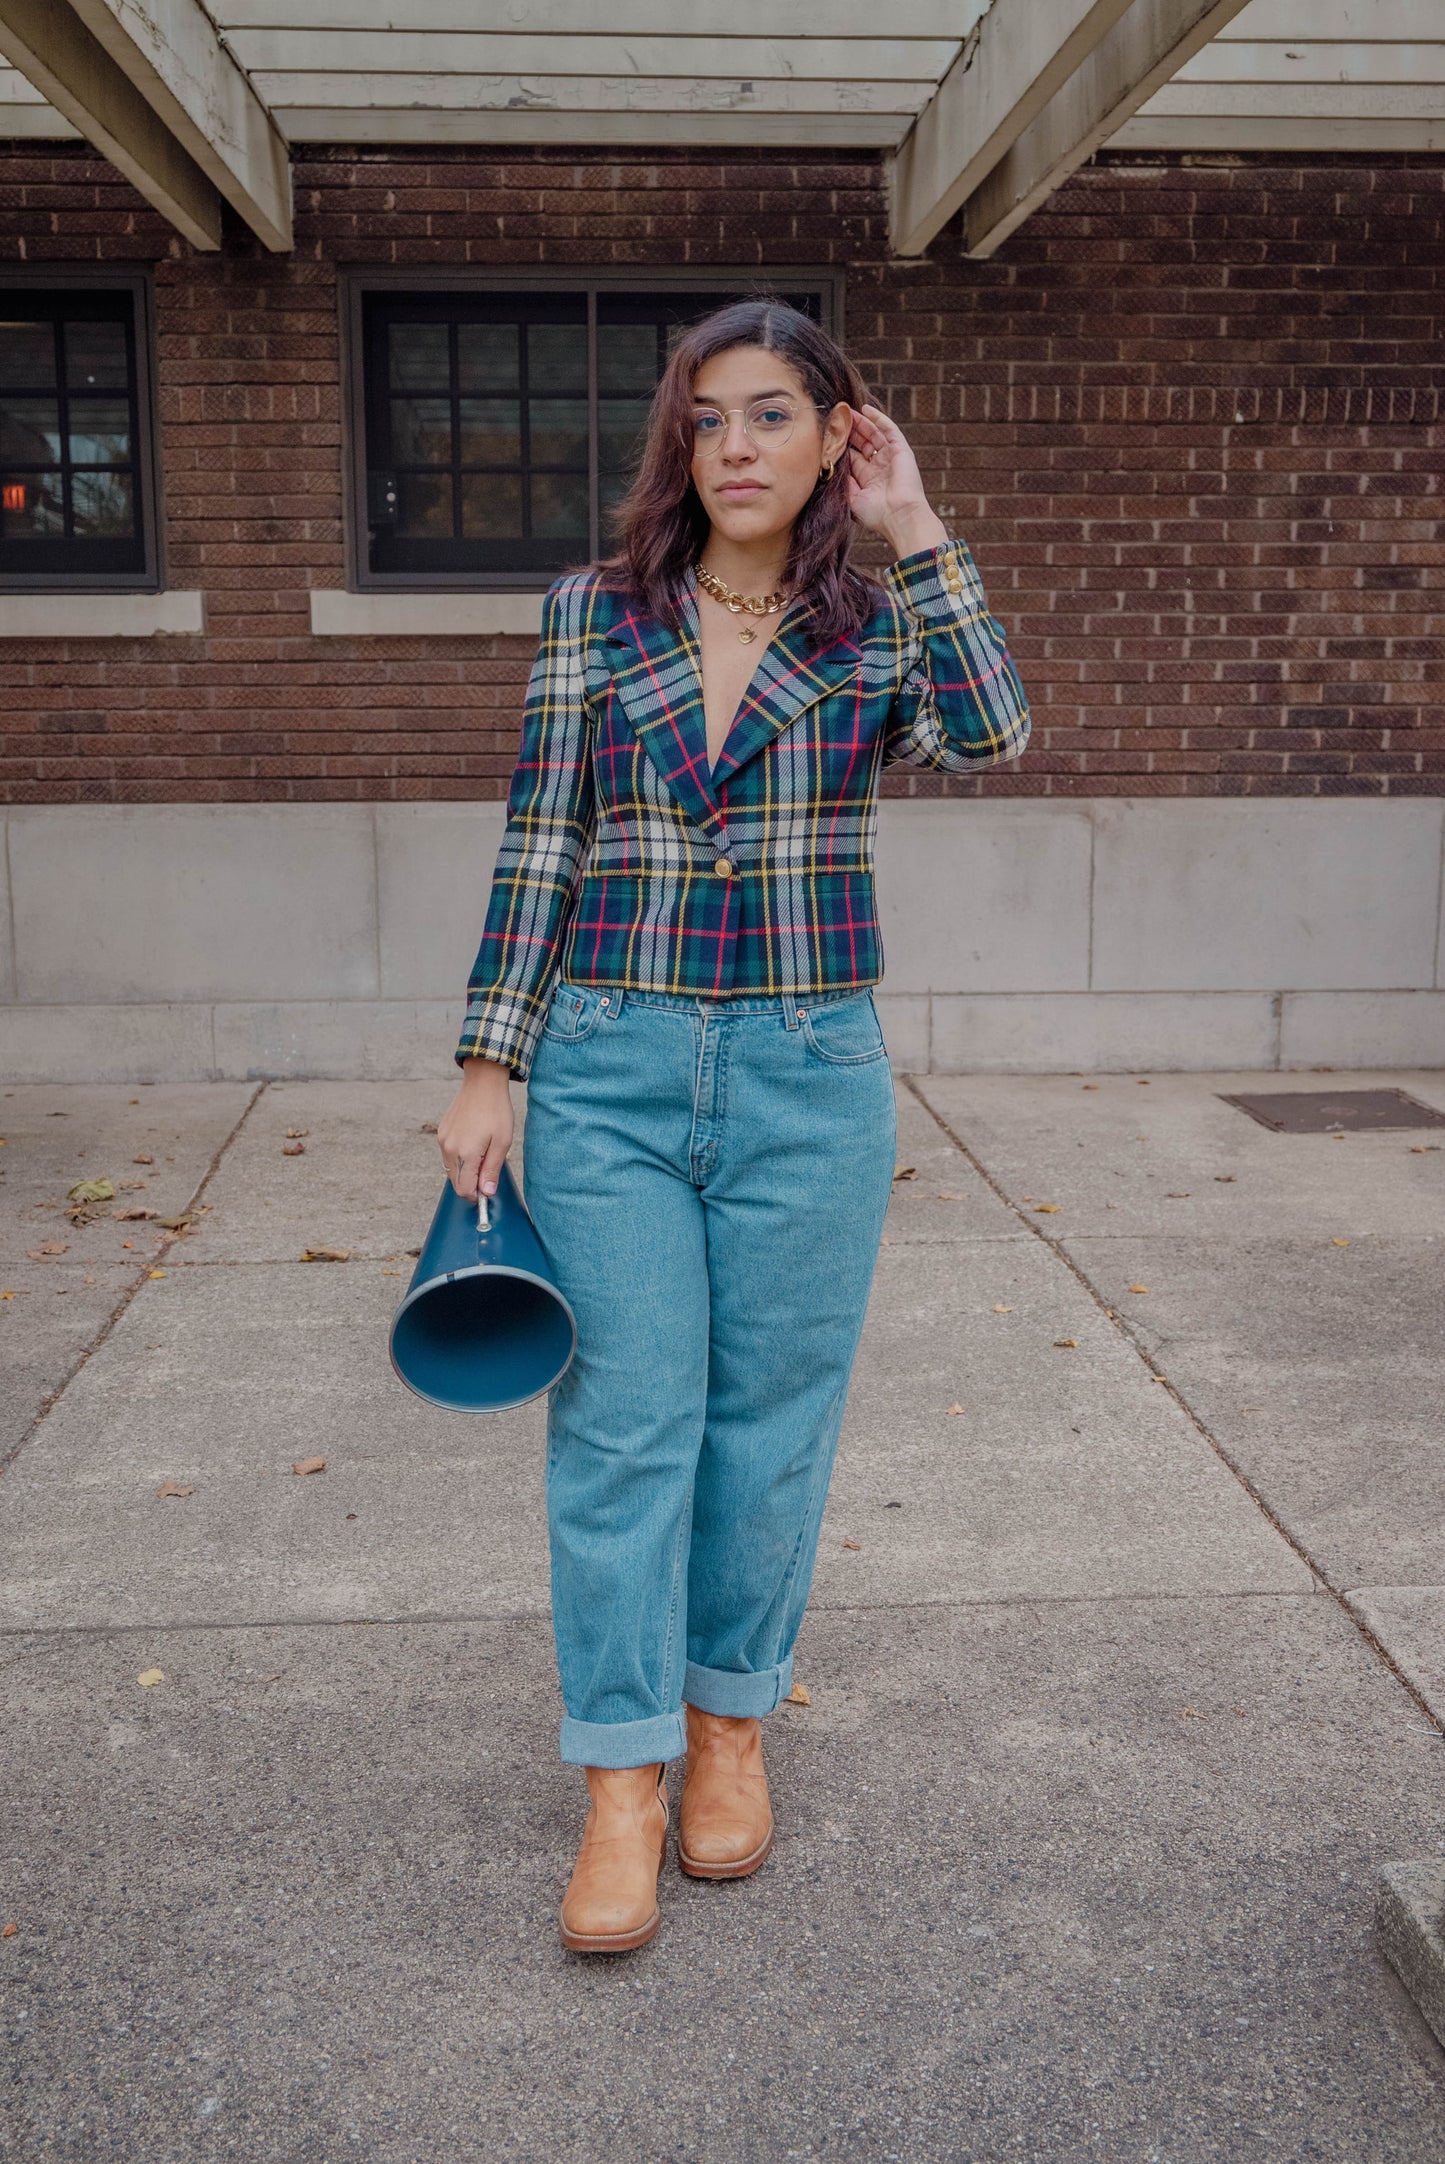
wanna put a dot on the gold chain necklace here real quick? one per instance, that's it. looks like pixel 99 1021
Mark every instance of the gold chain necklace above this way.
pixel 755 604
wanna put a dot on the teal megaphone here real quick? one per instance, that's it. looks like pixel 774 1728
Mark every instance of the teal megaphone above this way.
pixel 483 1326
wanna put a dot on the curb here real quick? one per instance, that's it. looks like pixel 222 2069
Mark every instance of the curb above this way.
pixel 1410 1925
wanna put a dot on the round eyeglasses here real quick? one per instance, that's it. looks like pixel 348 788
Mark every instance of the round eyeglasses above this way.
pixel 767 421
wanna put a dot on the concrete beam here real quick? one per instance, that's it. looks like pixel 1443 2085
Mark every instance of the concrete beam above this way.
pixel 1008 69
pixel 1139 53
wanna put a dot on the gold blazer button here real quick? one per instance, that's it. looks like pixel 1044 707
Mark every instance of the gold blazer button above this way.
pixel 723 867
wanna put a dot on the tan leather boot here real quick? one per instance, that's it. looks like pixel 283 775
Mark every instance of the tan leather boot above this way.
pixel 610 1904
pixel 725 1826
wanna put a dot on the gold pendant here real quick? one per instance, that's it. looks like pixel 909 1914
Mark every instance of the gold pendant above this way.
pixel 745 638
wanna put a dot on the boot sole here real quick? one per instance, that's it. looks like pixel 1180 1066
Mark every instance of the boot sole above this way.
pixel 617 1942
pixel 696 1868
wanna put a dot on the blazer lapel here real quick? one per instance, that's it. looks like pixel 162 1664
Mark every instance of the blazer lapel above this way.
pixel 658 676
pixel 793 674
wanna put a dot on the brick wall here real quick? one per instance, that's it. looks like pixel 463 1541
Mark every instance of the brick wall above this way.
pixel 1190 418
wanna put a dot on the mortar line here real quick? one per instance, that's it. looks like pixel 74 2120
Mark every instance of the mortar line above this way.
pixel 1054 1247
pixel 543 1615
pixel 53 1397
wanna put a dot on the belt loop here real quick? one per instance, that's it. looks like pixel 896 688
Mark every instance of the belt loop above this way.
pixel 790 1010
pixel 612 1000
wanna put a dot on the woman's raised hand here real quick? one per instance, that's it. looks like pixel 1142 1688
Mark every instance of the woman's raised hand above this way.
pixel 885 489
pixel 474 1134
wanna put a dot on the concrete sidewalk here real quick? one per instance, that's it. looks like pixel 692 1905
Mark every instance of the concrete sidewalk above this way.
pixel 1125 1692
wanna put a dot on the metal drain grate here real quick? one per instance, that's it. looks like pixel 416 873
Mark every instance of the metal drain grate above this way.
pixel 1323 1112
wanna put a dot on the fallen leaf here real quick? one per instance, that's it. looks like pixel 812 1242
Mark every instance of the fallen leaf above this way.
pixel 1091 1085
pixel 151 1273
pixel 428 1127
pixel 393 1273
pixel 906 1172
pixel 1000 1309
pixel 91 1191
pixel 1063 1342
pixel 856 1544
pixel 309 1465
pixel 128 1217
pixel 326 1254
pixel 293 1149
pixel 1143 1081
pixel 1190 1713
pixel 1182 1195
pixel 9 1931
pixel 173 1487
pixel 1225 1179
pixel 22 1294
pixel 951 1194
pixel 1339 1243
pixel 47 1247
pixel 1138 1288
pixel 797 1696
pixel 148 1676
pixel 955 1407
pixel 885 1243
pixel 145 1158
pixel 176 1224
pixel 1046 1209
pixel 1422 1149
pixel 293 1134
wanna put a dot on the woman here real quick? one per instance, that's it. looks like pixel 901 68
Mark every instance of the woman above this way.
pixel 677 957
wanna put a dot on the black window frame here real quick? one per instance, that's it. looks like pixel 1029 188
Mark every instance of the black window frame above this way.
pixel 147 574
pixel 359 283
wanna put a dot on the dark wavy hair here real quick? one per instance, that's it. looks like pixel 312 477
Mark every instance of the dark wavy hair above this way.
pixel 661 523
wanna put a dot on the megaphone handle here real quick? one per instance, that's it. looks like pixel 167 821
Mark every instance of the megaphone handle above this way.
pixel 484 1221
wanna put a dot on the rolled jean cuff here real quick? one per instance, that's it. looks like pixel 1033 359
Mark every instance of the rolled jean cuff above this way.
pixel 623 1743
pixel 742 1697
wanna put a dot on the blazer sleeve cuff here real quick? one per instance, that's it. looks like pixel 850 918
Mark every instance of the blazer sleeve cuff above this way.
pixel 940 586
pixel 502 1029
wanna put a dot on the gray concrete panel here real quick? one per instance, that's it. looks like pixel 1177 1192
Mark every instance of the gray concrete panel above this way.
pixel 100 1041
pixel 1068 1471
pixel 983 897
pixel 1350 1028
pixel 1054 1881
pixel 1339 1428
pixel 1041 1033
pixel 1231 894
pixel 1166 1155
pixel 372 1040
pixel 434 873
pixel 46 1325
pixel 1409 1621
pixel 56 1135
pixel 263 901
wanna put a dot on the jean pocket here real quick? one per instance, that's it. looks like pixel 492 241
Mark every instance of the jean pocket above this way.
pixel 844 1032
pixel 572 1011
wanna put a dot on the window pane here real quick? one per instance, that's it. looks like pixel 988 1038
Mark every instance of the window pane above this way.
pixel 102 503
pixel 488 357
pixel 27 354
pixel 30 506
pixel 95 356
pixel 30 431
pixel 492 506
pixel 559 505
pixel 99 431
pixel 626 356
pixel 621 425
pixel 418 357
pixel 421 431
pixel 491 431
pixel 559 431
pixel 557 357
pixel 424 504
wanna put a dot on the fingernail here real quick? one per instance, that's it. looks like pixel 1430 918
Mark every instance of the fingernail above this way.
pixel 489 1187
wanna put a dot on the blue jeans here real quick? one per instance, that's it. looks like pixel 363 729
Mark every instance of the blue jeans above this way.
pixel 709 1179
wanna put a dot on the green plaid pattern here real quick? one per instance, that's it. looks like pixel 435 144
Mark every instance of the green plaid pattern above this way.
pixel 611 868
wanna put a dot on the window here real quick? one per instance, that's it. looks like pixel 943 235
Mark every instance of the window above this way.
pixel 495 428
pixel 77 503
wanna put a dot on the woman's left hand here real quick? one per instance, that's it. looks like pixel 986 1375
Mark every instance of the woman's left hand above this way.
pixel 885 488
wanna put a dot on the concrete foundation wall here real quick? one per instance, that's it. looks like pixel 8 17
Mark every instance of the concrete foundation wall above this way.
pixel 190 942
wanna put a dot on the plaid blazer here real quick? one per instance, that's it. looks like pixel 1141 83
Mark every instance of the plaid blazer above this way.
pixel 627 860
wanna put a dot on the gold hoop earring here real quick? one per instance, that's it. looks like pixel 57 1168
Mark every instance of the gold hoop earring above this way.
pixel 827 469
